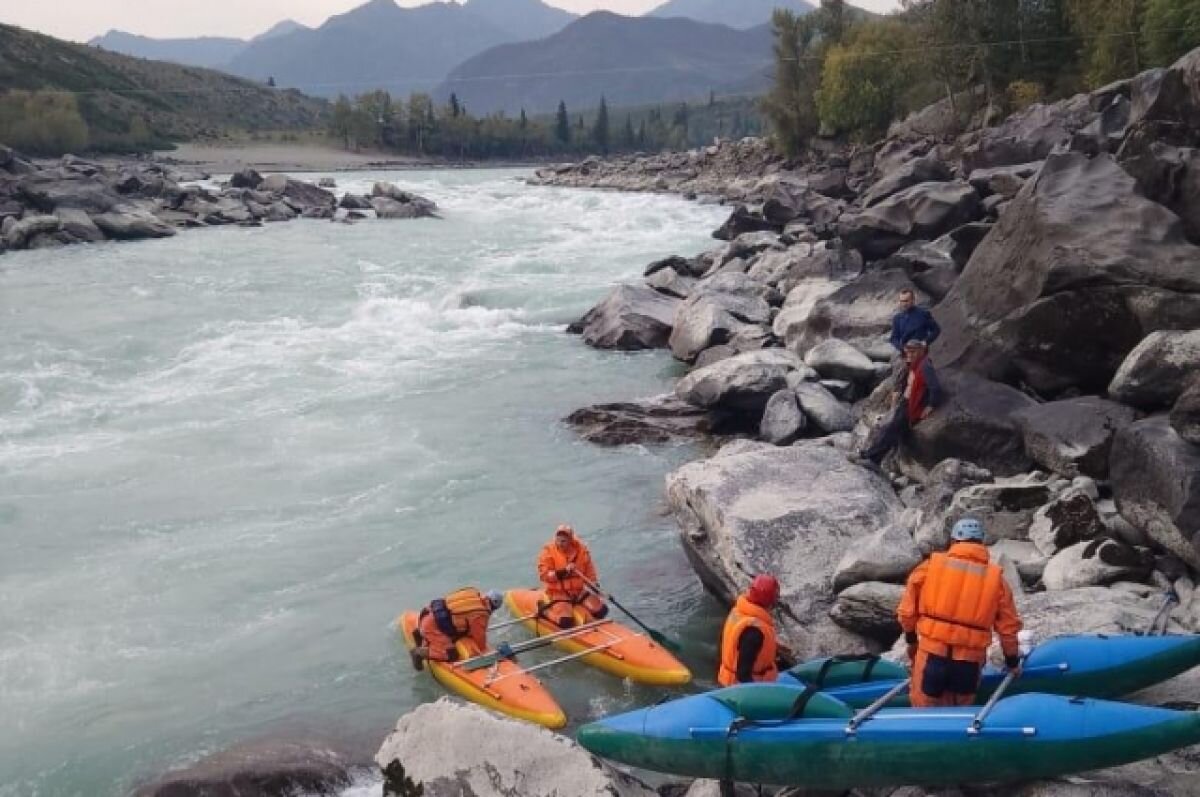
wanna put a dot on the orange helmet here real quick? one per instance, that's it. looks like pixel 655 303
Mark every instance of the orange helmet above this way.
pixel 764 590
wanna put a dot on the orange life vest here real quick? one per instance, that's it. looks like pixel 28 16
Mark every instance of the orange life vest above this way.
pixel 959 604
pixel 747 615
pixel 453 614
pixel 552 560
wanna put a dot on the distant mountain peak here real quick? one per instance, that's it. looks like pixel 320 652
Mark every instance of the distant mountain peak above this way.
pixel 741 14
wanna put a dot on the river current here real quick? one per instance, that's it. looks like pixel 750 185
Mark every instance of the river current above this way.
pixel 229 459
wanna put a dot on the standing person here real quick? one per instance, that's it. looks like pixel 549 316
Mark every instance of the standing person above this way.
pixel 749 642
pixel 952 603
pixel 916 394
pixel 462 615
pixel 912 323
pixel 565 567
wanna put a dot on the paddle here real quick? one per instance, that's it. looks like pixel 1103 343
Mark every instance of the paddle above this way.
pixel 657 636
pixel 506 651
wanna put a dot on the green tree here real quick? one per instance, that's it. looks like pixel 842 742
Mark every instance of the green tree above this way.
pixel 864 78
pixel 562 124
pixel 791 105
pixel 1170 30
pixel 455 108
pixel 1109 33
pixel 42 122
pixel 600 129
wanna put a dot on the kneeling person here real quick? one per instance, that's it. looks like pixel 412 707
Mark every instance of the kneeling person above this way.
pixel 952 603
pixel 565 569
pixel 463 615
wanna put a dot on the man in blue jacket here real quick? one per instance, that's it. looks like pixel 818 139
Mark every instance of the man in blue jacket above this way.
pixel 912 323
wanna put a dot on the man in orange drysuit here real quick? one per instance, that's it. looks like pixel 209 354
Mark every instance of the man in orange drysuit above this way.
pixel 565 567
pixel 463 615
pixel 952 603
pixel 749 643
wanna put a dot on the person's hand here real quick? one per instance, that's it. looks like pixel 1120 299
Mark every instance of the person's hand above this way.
pixel 562 574
pixel 421 652
pixel 784 656
pixel 1016 671
pixel 571 568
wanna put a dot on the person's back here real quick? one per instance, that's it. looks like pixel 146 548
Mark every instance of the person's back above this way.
pixel 952 603
pixel 460 617
pixel 749 644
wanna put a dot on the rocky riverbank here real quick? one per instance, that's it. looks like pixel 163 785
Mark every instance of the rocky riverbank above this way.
pixel 1061 253
pixel 79 201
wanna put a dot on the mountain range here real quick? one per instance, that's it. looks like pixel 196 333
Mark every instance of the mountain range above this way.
pixel 741 14
pixel 499 54
pixel 628 60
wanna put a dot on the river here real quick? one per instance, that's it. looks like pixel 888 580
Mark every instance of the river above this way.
pixel 229 459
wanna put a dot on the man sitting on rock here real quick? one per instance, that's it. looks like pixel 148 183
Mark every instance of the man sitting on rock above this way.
pixel 952 603
pixel 912 323
pixel 463 615
pixel 568 575
pixel 916 393
pixel 749 643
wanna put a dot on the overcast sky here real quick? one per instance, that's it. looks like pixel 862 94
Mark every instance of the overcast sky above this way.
pixel 80 20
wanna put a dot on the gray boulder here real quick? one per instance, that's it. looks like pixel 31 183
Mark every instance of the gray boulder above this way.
pixel 246 178
pixel 791 323
pixel 388 208
pixel 1185 416
pixel 790 511
pixel 1076 273
pixel 47 191
pixel 660 419
pixel 670 282
pixel 355 202
pixel 1073 437
pixel 924 211
pixel 1028 136
pixel 888 555
pixel 836 359
pixel 744 382
pixel 17 233
pixel 1170 176
pixel 927 169
pixel 1006 507
pixel 493 757
pixel 782 421
pixel 297 192
pixel 132 225
pixel 1025 558
pixel 700 323
pixel 859 312
pixel 869 609
pixel 631 318
pixel 1005 181
pixel 1156 482
pixel 1064 522
pixel 1096 563
pixel 714 354
pixel 79 225
pixel 823 409
pixel 944 482
pixel 1155 373
pixel 976 424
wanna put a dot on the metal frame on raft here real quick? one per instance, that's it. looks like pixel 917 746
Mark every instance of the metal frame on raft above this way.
pixel 494 658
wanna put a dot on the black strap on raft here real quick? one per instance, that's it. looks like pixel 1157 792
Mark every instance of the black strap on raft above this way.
pixel 801 703
pixel 870 658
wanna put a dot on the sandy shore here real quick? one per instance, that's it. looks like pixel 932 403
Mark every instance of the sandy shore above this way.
pixel 270 156
pixel 281 157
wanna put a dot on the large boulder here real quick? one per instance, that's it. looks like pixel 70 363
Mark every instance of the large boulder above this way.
pixel 449 749
pixel 1169 96
pixel 1156 482
pixel 924 211
pixel 789 511
pixel 869 609
pixel 1156 371
pixel 1005 181
pixel 744 382
pixel 837 359
pixel 298 193
pixel 17 233
pixel 701 323
pixel 975 423
pixel 246 178
pixel 262 769
pixel 859 312
pixel 132 225
pixel 47 192
pixel 1064 522
pixel 1096 563
pixel 670 282
pixel 1005 507
pixel 388 208
pixel 1028 136
pixel 782 421
pixel 926 169
pixel 79 225
pixel 1077 272
pixel 1073 437
pixel 1171 177
pixel 888 555
pixel 741 221
pixel 823 409
pixel 1185 415
pixel 630 318
pixel 660 419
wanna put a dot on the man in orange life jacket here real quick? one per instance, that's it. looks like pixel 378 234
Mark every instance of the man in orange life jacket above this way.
pixel 565 567
pixel 952 603
pixel 461 616
pixel 749 643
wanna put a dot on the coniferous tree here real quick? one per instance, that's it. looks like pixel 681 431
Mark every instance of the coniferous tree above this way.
pixel 562 124
pixel 790 104
pixel 600 128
